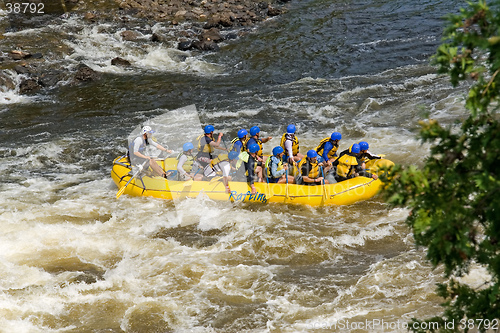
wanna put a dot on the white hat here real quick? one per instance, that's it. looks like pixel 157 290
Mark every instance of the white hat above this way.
pixel 147 129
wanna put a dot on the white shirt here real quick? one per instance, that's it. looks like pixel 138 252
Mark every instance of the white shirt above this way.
pixel 288 146
pixel 223 166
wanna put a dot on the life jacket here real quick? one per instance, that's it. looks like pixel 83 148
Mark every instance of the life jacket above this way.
pixel 259 142
pixel 217 160
pixel 365 157
pixel 269 167
pixel 313 168
pixel 188 165
pixel 345 163
pixel 321 147
pixel 243 144
pixel 295 144
pixel 250 164
pixel 204 149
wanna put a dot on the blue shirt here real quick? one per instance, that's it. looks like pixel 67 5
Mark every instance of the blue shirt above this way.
pixel 274 168
pixel 326 149
pixel 237 146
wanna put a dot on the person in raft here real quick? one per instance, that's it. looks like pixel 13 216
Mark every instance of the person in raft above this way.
pixel 252 170
pixel 365 155
pixel 187 167
pixel 207 145
pixel 239 144
pixel 290 144
pixel 311 171
pixel 221 165
pixel 137 147
pixel 275 169
pixel 255 139
pixel 328 147
pixel 349 165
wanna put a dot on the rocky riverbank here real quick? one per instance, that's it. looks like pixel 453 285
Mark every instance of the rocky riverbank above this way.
pixel 189 25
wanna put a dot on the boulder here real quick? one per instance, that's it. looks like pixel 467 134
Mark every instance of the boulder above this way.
pixel 51 78
pixel 19 55
pixel 205 45
pixel 185 45
pixel 6 82
pixel 212 34
pixel 129 35
pixel 85 73
pixel 120 62
pixel 29 86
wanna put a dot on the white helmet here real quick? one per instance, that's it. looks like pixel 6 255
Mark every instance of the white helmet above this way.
pixel 147 129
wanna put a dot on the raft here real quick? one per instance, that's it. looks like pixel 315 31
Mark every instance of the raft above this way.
pixel 344 193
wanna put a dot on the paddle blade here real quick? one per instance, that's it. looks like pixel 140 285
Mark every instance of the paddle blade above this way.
pixel 188 183
pixel 120 192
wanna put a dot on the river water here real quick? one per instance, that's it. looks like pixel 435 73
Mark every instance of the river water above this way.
pixel 73 258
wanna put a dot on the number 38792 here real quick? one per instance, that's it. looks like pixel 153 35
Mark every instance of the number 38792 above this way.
pixel 25 8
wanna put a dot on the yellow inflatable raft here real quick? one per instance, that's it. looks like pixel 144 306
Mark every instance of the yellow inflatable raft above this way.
pixel 343 193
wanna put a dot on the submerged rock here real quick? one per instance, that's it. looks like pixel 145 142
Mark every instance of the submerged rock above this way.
pixel 85 73
pixel 6 82
pixel 29 86
pixel 120 62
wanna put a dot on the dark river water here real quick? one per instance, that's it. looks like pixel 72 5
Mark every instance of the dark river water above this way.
pixel 73 258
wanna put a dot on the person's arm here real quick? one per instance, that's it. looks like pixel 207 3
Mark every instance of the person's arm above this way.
pixel 136 147
pixel 274 169
pixel 326 149
pixel 371 156
pixel 181 162
pixel 158 146
pixel 289 150
pixel 217 144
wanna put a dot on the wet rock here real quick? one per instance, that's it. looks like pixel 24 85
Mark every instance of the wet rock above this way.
pixel 89 16
pixel 85 73
pixel 273 11
pixel 205 45
pixel 159 38
pixel 129 35
pixel 50 79
pixel 120 62
pixel 29 86
pixel 22 69
pixel 6 82
pixel 19 55
pixel 213 35
pixel 185 45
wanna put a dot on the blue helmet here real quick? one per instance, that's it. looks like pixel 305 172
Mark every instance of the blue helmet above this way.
pixel 355 148
pixel 363 145
pixel 312 153
pixel 290 128
pixel 241 133
pixel 254 130
pixel 336 136
pixel 209 129
pixel 187 146
pixel 233 155
pixel 253 148
pixel 277 150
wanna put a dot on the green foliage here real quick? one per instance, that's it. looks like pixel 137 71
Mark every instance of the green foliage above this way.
pixel 455 198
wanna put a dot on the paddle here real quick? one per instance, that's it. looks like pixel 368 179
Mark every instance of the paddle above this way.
pixel 120 192
pixel 324 187
pixel 190 182
pixel 286 186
